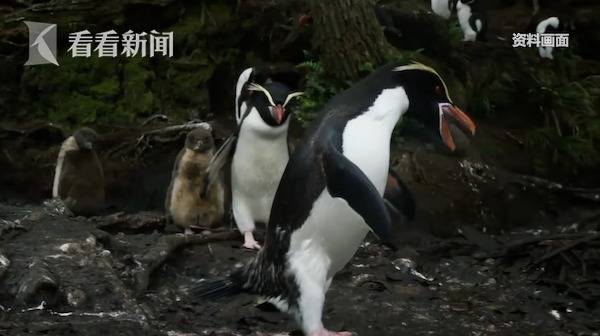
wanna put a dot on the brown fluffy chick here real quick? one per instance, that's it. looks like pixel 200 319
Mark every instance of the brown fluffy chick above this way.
pixel 184 203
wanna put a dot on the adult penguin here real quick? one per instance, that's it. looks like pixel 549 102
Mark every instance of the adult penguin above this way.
pixel 258 150
pixel 330 194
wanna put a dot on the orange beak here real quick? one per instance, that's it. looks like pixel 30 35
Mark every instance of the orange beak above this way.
pixel 460 117
pixel 278 112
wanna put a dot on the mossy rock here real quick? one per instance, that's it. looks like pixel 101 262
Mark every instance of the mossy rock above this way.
pixel 137 98
pixel 88 90
pixel 81 90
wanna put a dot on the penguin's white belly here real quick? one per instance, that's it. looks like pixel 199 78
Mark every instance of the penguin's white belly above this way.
pixel 254 185
pixel 335 228
pixel 257 167
pixel 332 224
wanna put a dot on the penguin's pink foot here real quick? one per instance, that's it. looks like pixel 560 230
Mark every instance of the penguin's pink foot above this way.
pixel 325 332
pixel 249 241
pixel 188 231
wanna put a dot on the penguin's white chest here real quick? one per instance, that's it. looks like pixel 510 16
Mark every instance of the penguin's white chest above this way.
pixel 260 157
pixel 333 224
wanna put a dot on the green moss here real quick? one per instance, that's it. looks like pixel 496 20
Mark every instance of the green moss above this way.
pixel 318 89
pixel 88 90
pixel 81 90
pixel 568 108
pixel 108 88
pixel 137 98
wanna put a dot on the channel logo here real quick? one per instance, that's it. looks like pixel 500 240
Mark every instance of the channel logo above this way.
pixel 42 43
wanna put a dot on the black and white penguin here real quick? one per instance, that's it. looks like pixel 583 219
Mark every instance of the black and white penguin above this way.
pixel 259 148
pixel 187 203
pixel 443 8
pixel 550 25
pixel 330 194
pixel 471 17
pixel 79 178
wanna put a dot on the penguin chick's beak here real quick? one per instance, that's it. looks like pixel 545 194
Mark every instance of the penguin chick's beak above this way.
pixel 88 145
pixel 278 112
pixel 464 122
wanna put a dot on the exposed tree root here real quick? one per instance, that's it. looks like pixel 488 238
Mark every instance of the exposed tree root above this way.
pixel 567 247
pixel 147 140
pixel 536 182
pixel 163 249
pixel 143 221
pixel 160 117
pixel 482 172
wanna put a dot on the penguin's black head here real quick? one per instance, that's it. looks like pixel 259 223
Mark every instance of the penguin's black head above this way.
pixel 86 138
pixel 430 103
pixel 273 101
pixel 199 140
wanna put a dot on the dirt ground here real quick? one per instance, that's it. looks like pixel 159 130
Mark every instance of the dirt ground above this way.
pixel 469 284
pixel 491 252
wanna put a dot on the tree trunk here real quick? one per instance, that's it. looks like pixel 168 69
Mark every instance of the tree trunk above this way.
pixel 348 36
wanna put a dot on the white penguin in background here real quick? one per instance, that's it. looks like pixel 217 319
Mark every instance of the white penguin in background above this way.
pixel 443 8
pixel 471 23
pixel 549 25
pixel 258 150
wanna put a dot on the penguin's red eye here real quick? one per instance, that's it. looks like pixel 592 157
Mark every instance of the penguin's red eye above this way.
pixel 438 90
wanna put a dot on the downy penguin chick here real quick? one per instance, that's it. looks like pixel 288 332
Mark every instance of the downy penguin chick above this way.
pixel 79 178
pixel 185 203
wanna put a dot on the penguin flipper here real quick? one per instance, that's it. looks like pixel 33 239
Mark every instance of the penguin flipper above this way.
pixel 345 180
pixel 218 161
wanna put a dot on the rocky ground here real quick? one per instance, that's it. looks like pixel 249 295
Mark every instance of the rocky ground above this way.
pixel 67 277
pixel 518 255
